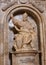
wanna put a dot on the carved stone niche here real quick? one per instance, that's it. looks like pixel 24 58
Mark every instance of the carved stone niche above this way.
pixel 24 55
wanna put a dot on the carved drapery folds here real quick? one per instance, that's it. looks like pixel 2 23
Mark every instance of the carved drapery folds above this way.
pixel 25 35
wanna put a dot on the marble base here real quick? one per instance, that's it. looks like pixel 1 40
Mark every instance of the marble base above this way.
pixel 25 58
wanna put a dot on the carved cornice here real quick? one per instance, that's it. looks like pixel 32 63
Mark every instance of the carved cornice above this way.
pixel 36 4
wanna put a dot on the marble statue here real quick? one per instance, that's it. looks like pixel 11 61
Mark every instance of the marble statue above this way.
pixel 25 35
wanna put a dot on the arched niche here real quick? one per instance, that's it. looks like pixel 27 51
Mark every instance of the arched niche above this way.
pixel 35 16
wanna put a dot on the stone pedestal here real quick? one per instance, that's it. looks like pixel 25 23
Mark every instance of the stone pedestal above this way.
pixel 25 58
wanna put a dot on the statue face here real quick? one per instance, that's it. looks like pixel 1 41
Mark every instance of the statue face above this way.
pixel 25 17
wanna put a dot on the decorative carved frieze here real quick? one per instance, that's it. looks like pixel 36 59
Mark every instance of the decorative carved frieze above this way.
pixel 36 4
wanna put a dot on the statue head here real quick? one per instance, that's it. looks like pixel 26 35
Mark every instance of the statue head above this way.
pixel 25 16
